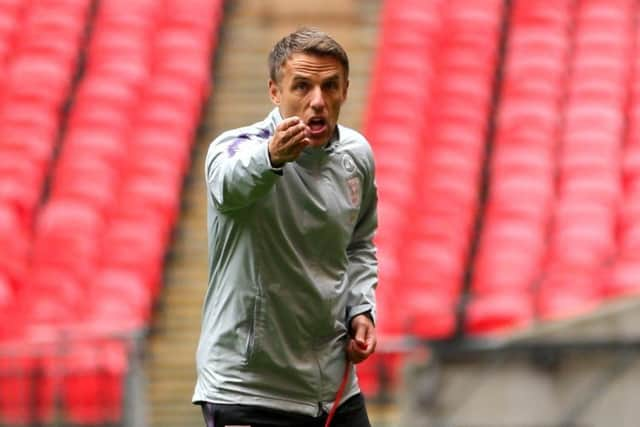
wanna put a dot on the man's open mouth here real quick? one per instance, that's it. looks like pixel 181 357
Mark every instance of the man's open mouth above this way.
pixel 317 125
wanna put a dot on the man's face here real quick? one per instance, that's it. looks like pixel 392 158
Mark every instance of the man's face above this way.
pixel 313 88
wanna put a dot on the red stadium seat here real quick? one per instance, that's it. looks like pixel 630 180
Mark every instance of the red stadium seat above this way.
pixel 101 117
pixel 52 47
pixel 629 239
pixel 566 302
pixel 631 162
pixel 124 293
pixel 177 91
pixel 52 76
pixel 21 183
pixel 55 293
pixel 145 8
pixel 92 187
pixel 94 382
pixel 10 6
pixel 623 280
pixel 168 116
pixel 603 187
pixel 102 90
pixel 429 315
pixel 630 210
pixel 499 313
pixel 515 159
pixel 149 141
pixel 505 267
pixel 120 43
pixel 29 115
pixel 14 247
pixel 191 67
pixel 105 145
pixel 133 72
pixel 136 242
pixel 174 40
pixel 506 188
pixel 430 263
pixel 33 143
pixel 7 292
pixel 68 217
pixel 603 13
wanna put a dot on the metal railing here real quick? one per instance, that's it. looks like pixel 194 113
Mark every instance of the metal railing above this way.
pixel 59 377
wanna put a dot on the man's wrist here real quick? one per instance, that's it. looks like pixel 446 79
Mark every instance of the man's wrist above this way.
pixel 367 314
pixel 274 165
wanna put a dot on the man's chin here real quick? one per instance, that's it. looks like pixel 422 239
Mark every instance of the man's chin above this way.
pixel 318 142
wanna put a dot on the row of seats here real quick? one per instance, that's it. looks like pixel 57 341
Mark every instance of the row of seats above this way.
pixel 521 188
pixel 35 79
pixel 37 75
pixel 398 96
pixel 582 237
pixel 431 56
pixel 98 243
pixel 622 278
pixel 442 217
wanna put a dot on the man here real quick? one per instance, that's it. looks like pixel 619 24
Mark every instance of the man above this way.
pixel 292 266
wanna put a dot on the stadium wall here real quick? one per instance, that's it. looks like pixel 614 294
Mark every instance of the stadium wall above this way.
pixel 581 373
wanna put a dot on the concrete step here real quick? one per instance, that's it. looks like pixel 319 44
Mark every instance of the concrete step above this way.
pixel 181 322
pixel 179 308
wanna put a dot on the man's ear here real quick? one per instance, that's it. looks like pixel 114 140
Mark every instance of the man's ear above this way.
pixel 346 90
pixel 274 92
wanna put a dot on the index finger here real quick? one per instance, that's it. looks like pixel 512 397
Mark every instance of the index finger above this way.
pixel 288 122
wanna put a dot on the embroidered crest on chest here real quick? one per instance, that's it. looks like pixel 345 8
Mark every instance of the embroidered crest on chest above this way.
pixel 353 185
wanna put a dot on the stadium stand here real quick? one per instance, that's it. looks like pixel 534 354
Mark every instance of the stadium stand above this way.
pixel 582 240
pixel 84 269
pixel 429 147
pixel 37 77
pixel 441 227
pixel 557 228
pixel 622 277
pixel 401 78
pixel 508 178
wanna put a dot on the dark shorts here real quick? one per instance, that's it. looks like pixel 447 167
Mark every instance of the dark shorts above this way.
pixel 352 413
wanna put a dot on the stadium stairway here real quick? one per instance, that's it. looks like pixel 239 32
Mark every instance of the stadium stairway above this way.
pixel 239 97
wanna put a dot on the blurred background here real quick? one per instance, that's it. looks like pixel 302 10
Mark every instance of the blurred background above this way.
pixel 508 169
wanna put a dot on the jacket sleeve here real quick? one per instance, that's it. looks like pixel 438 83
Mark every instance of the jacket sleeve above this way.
pixel 238 171
pixel 363 264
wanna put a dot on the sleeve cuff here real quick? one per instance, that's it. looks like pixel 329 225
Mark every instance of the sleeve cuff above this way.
pixel 360 309
pixel 277 171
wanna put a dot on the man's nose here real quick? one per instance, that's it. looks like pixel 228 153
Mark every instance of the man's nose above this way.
pixel 317 100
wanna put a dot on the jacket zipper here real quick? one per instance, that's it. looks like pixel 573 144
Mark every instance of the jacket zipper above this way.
pixel 252 331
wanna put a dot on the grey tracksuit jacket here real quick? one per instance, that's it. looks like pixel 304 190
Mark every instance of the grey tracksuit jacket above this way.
pixel 291 261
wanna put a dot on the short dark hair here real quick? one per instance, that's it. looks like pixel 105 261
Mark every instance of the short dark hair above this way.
pixel 305 40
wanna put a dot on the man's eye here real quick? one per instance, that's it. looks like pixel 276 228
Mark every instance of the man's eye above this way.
pixel 331 85
pixel 300 86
